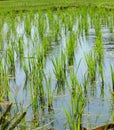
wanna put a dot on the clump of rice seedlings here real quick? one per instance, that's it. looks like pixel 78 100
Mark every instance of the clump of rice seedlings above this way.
pixel 37 93
pixel 55 29
pixel 59 70
pixel 49 93
pixel 34 99
pixel 27 25
pixel 70 47
pixel 40 58
pixel 21 48
pixel 91 65
pixel 10 56
pixel 37 77
pixel 97 27
pixel 69 23
pixel 54 25
pixel 84 22
pixel 42 24
pixel 112 76
pixel 46 45
pixel 73 82
pixel 99 49
pixel 99 55
pixel 11 60
pixel 77 104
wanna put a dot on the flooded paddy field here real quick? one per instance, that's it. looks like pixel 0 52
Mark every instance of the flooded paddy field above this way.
pixel 57 69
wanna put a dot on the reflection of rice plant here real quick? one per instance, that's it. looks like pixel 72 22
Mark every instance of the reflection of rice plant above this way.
pixel 60 87
pixel 77 103
pixel 6 122
pixel 112 76
pixel 91 64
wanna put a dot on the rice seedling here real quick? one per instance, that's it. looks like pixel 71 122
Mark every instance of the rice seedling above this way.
pixel 46 43
pixel 55 27
pixel 59 64
pixel 10 56
pixel 42 24
pixel 99 55
pixel 28 26
pixel 91 65
pixel 99 49
pixel 70 47
pixel 84 22
pixel 97 27
pixel 21 47
pixel 77 104
pixel 73 82
pixel 49 93
pixel 40 58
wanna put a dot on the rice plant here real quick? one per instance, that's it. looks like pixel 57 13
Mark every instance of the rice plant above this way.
pixel 21 48
pixel 49 93
pixel 11 60
pixel 99 56
pixel 46 43
pixel 27 26
pixel 59 68
pixel 77 104
pixel 91 66
pixel 40 58
pixel 99 50
pixel 70 48
pixel 42 24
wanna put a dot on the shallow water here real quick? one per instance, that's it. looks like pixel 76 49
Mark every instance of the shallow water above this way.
pixel 99 103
